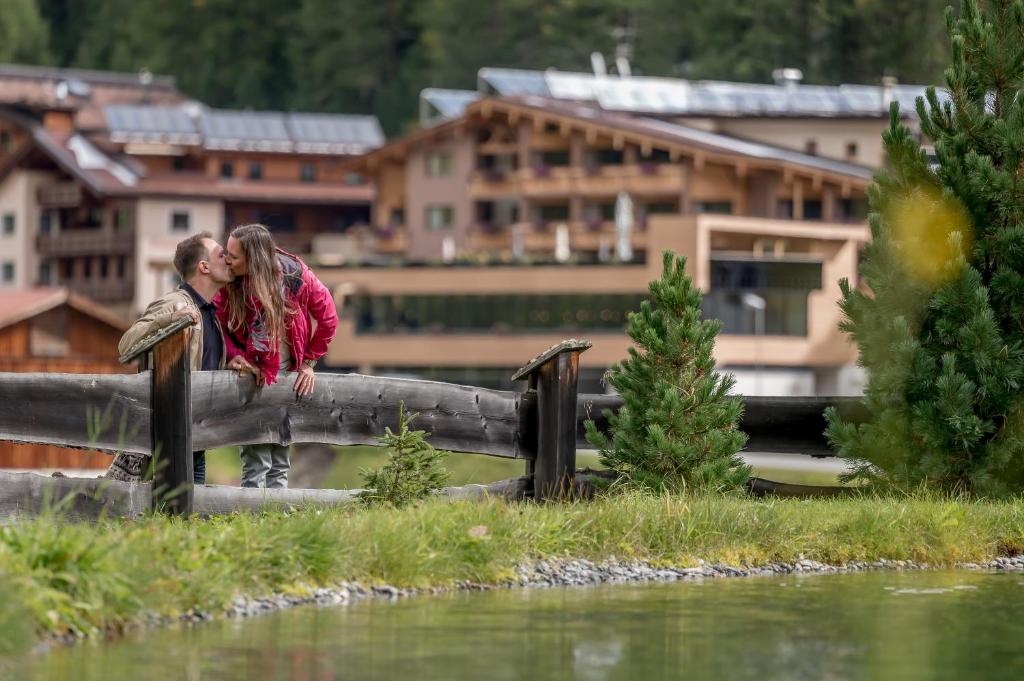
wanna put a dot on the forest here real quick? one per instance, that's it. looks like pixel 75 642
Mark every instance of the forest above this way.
pixel 375 56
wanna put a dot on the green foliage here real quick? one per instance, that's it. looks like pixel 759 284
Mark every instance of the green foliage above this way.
pixel 678 425
pixel 945 352
pixel 414 470
pixel 24 35
pixel 320 55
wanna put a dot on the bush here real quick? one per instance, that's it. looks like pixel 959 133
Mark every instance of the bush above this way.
pixel 414 469
pixel 678 427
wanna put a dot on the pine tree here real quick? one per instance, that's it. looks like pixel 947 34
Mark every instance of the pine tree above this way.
pixel 678 427
pixel 414 470
pixel 940 331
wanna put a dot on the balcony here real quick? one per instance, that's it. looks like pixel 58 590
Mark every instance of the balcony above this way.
pixel 583 236
pixel 103 290
pixel 76 242
pixel 60 195
pixel 607 180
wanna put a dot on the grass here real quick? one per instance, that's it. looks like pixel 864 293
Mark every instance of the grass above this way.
pixel 224 468
pixel 93 579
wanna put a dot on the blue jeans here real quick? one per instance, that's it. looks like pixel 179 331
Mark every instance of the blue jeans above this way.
pixel 199 467
pixel 265 465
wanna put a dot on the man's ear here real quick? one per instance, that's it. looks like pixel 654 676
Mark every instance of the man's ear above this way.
pixel 203 267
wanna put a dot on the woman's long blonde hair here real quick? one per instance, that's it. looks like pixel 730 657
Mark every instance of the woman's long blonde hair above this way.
pixel 262 282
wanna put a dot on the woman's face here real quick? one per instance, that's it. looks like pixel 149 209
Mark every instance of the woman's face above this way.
pixel 236 258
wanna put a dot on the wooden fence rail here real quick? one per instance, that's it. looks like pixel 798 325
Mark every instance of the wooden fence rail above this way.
pixel 169 411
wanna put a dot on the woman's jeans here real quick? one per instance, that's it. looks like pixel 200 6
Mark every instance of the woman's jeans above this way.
pixel 265 465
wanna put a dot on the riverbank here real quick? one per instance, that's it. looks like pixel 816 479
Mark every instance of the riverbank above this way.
pixel 59 579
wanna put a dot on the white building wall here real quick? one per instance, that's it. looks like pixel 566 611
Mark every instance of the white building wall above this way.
pixel 18 198
pixel 156 239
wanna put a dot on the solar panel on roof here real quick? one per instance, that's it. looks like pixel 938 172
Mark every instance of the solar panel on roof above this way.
pixel 515 82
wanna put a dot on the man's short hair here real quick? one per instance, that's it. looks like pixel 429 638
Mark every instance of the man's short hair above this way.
pixel 188 254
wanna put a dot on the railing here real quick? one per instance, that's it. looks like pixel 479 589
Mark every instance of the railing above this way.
pixel 103 290
pixel 75 242
pixel 168 412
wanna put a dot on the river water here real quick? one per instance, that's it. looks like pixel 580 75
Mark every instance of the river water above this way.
pixel 875 625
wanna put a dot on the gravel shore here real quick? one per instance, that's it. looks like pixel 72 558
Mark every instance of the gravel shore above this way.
pixel 546 574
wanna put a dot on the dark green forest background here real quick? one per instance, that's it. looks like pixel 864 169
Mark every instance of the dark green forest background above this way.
pixel 373 56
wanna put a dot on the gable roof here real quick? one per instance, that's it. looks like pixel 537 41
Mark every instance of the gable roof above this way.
pixel 267 131
pixel 680 97
pixel 22 304
pixel 677 138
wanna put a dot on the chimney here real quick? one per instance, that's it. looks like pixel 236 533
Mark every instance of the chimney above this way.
pixel 787 77
pixel 888 90
pixel 622 66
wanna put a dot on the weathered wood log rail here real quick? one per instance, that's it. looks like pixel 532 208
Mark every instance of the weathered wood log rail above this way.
pixel 170 411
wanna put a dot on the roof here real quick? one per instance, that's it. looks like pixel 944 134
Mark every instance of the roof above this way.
pixel 21 304
pixel 266 131
pixel 114 78
pixel 694 137
pixel 105 175
pixel 639 130
pixel 680 97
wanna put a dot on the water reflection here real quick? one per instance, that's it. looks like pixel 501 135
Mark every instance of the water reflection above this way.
pixel 866 626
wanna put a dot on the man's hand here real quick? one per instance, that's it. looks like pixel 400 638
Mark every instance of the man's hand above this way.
pixel 241 365
pixel 185 312
pixel 304 381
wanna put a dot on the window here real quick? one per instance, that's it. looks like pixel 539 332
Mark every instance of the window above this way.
pixel 307 173
pixel 784 209
pixel 45 274
pixel 180 221
pixel 851 150
pixel 227 170
pixel 397 218
pixel 353 179
pixel 7 272
pixel 8 224
pixel 439 164
pixel 120 267
pixel 439 217
pixel 812 209
pixel 45 222
pixel 123 218
pixel 713 207
pixel 104 267
pixel 255 170
pixel 178 164
pixel 87 273
pixel 811 147
pixel 68 265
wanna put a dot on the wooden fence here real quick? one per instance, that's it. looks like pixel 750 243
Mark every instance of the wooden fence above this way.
pixel 170 411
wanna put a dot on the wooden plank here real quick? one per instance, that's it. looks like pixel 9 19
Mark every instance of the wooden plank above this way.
pixel 105 412
pixel 351 409
pixel 555 465
pixel 772 424
pixel 27 495
pixel 345 409
pixel 171 425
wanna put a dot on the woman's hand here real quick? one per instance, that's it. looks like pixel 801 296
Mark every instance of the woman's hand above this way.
pixel 304 381
pixel 241 365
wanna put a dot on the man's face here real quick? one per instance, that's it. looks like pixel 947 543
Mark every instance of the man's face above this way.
pixel 236 258
pixel 219 271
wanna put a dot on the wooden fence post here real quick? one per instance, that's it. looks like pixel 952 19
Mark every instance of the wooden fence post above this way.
pixel 553 376
pixel 171 416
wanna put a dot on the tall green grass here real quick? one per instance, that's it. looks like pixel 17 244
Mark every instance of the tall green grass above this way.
pixel 92 579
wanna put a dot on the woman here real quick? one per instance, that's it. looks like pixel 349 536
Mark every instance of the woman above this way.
pixel 267 313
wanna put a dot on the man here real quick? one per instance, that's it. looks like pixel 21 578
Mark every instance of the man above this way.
pixel 278 316
pixel 200 262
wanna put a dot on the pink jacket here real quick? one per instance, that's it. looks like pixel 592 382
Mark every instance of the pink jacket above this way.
pixel 311 300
